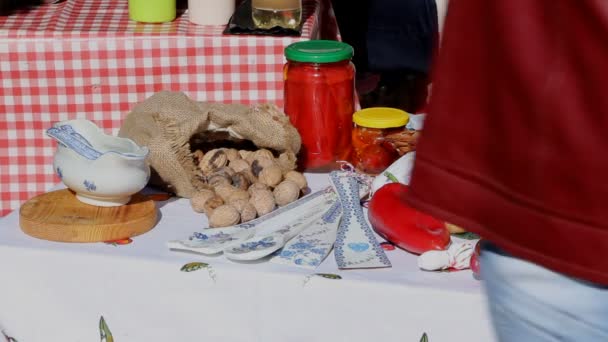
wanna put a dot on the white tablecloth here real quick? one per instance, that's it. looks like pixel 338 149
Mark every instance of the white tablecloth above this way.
pixel 58 292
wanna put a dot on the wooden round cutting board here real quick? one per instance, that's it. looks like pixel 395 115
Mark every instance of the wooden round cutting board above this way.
pixel 60 216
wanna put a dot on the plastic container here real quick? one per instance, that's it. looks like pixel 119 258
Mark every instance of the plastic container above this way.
pixel 152 11
pixel 319 100
pixel 210 12
pixel 372 154
pixel 267 14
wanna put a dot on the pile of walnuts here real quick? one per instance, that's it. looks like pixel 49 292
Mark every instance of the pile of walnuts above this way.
pixel 244 184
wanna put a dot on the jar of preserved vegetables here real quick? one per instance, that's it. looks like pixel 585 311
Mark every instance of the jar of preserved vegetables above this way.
pixel 373 153
pixel 320 101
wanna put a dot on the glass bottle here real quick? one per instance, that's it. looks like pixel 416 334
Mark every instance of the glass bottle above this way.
pixel 270 13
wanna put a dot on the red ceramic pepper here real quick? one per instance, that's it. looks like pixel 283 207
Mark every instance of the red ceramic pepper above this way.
pixel 406 227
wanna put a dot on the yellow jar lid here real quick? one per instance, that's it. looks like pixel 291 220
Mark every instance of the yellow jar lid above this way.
pixel 381 117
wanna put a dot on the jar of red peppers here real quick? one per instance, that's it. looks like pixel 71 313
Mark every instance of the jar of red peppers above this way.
pixel 373 153
pixel 319 100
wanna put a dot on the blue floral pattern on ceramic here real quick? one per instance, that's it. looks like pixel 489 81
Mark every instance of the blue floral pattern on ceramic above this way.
pixel 259 246
pixel 90 186
pixel 59 173
pixel 356 245
pixel 254 245
pixel 333 213
pixel 311 247
pixel 206 240
pixel 306 253
pixel 213 238
pixel 67 136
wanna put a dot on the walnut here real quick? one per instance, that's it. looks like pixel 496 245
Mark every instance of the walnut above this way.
pixel 240 181
pixel 232 154
pixel 213 203
pixel 286 192
pixel 197 156
pixel 213 160
pixel 271 176
pixel 198 200
pixel 250 158
pixel 265 162
pixel 246 155
pixel 239 165
pixel 263 201
pixel 263 153
pixel 257 186
pixel 225 170
pixel 248 213
pixel 297 178
pixel 246 209
pixel 239 204
pixel 249 176
pixel 238 194
pixel 287 161
pixel 217 179
pixel 256 168
pixel 224 216
pixel 225 191
pixel 259 164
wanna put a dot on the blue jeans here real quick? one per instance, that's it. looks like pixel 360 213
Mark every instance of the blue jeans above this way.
pixel 529 303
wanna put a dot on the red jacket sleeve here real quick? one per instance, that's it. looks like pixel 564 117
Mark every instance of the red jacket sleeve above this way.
pixel 515 143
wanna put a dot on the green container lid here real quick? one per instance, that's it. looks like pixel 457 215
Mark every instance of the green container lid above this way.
pixel 319 51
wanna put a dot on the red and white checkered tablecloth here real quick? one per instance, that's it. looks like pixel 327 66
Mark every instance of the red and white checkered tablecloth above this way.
pixel 86 59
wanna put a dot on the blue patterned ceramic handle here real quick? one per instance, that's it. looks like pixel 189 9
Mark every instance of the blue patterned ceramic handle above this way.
pixel 262 245
pixel 309 248
pixel 68 137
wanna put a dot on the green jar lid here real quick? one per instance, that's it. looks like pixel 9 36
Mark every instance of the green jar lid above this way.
pixel 319 51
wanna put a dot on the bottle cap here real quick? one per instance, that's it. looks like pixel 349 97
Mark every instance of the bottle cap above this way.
pixel 319 51
pixel 381 117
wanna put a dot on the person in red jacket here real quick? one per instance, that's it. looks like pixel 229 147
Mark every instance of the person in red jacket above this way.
pixel 515 148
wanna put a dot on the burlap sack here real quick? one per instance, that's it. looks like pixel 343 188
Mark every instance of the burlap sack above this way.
pixel 167 121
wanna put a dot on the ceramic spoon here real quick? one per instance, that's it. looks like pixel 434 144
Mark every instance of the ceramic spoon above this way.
pixel 261 246
pixel 309 248
pixel 215 240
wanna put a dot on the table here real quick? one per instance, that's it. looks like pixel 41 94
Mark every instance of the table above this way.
pixel 58 292
pixel 85 59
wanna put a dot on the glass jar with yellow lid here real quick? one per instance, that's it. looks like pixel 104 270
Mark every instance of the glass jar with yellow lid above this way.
pixel 372 152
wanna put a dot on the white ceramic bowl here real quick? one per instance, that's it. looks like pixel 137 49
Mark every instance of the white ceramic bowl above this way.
pixel 102 170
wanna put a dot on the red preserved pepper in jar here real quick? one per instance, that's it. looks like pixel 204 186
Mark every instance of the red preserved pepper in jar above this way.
pixel 320 101
pixel 373 153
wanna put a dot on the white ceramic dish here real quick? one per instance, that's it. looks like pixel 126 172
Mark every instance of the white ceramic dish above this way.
pixel 102 170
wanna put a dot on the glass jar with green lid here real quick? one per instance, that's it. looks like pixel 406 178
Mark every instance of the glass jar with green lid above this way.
pixel 319 100
pixel 372 151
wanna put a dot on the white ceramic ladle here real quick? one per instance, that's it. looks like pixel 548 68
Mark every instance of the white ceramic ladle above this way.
pixel 267 242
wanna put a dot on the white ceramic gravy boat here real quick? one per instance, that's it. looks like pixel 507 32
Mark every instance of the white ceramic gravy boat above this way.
pixel 102 170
